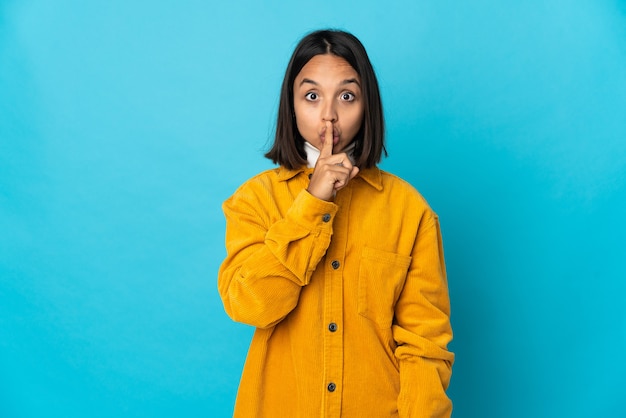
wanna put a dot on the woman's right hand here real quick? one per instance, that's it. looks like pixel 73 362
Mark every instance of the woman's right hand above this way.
pixel 332 171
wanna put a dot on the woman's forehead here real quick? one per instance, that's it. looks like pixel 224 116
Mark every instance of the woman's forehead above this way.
pixel 327 68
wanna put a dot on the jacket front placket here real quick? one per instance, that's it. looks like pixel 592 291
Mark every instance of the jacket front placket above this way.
pixel 333 307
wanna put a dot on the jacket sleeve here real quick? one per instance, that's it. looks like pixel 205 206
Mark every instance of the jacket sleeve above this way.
pixel 422 329
pixel 269 257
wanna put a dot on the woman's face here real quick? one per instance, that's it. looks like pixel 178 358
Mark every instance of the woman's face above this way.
pixel 328 89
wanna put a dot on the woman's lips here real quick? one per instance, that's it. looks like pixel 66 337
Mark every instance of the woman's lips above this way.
pixel 335 137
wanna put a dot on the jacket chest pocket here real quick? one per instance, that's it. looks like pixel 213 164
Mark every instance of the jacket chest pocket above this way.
pixel 381 279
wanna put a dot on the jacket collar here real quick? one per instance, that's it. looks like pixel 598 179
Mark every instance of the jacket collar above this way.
pixel 372 176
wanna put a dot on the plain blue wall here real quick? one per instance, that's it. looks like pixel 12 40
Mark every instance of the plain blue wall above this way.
pixel 124 125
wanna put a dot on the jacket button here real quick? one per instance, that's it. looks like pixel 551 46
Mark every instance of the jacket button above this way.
pixel 332 327
pixel 331 387
pixel 326 217
pixel 335 264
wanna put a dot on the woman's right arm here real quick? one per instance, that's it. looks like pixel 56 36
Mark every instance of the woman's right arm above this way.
pixel 269 261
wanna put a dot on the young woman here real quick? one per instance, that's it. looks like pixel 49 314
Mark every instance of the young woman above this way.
pixel 337 264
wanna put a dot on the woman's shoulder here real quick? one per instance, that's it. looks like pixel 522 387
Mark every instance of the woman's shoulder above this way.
pixel 403 193
pixel 261 179
pixel 265 181
pixel 395 183
pixel 270 174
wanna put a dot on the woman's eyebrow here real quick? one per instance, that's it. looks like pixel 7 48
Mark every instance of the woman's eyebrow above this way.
pixel 343 83
pixel 351 80
pixel 308 80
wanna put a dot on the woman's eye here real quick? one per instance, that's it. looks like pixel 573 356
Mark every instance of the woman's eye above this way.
pixel 311 96
pixel 348 97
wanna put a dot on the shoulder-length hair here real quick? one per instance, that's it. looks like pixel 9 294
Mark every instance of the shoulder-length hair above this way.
pixel 288 147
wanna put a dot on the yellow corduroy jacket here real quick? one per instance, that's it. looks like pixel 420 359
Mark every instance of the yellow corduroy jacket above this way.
pixel 349 298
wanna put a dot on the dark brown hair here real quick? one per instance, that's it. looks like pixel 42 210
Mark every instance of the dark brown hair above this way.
pixel 288 147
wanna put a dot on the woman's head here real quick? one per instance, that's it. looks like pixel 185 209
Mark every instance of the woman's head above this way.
pixel 329 77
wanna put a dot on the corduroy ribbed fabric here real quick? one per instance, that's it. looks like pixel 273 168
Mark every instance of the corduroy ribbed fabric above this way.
pixel 349 298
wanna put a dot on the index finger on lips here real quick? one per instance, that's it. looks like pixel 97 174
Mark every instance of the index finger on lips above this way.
pixel 327 146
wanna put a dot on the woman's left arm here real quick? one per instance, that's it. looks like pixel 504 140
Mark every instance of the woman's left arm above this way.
pixel 422 329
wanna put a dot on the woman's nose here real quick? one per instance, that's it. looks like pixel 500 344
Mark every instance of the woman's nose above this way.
pixel 329 112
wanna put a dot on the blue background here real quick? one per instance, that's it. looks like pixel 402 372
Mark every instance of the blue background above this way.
pixel 124 125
